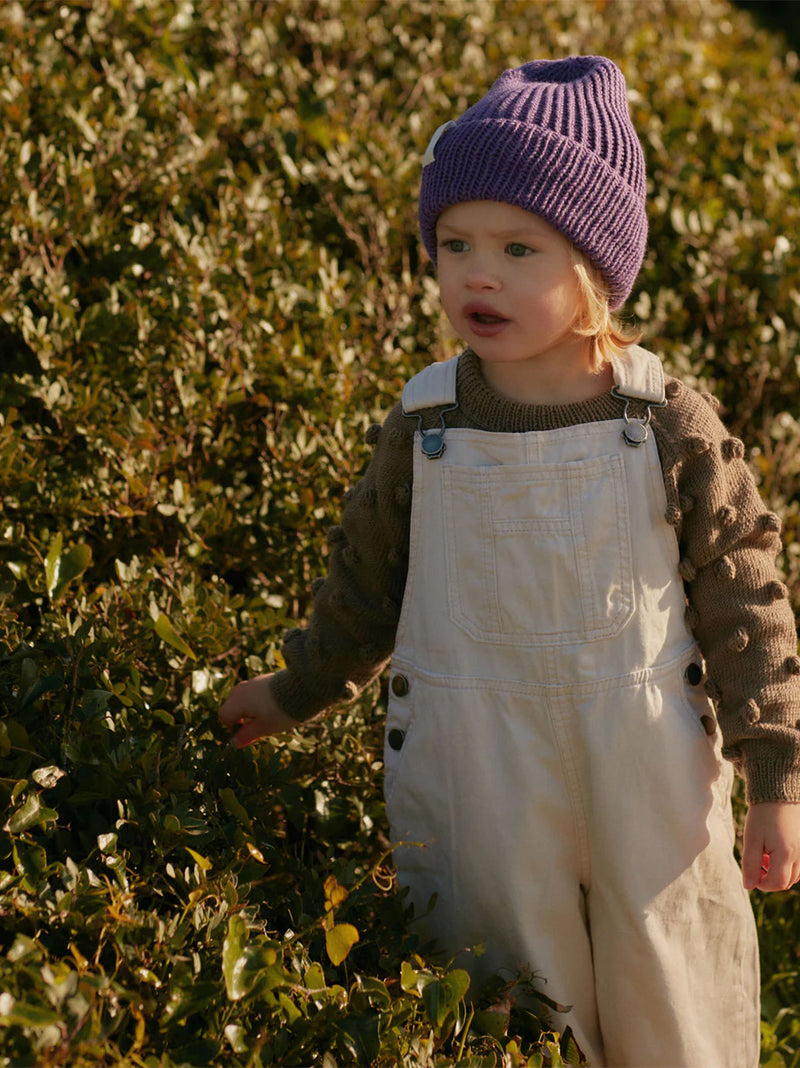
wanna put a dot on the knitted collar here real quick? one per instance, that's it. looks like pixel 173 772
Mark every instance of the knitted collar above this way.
pixel 484 407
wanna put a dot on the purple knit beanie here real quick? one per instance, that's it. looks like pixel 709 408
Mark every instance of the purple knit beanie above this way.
pixel 556 138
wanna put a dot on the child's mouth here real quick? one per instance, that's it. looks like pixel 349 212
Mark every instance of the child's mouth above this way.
pixel 485 323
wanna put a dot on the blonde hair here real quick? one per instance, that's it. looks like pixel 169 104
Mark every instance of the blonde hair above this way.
pixel 594 318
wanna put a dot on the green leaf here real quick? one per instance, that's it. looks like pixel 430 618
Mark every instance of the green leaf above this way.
pixel 291 1013
pixel 29 861
pixel 31 1015
pixel 570 1050
pixel 72 565
pixel 234 807
pixel 410 979
pixel 243 965
pixel 232 951
pixel 442 996
pixel 167 633
pixel 315 977
pixel 364 1037
pixel 52 564
pixel 60 570
pixel 31 814
pixel 376 992
pixel 491 1022
pixel 339 940
pixel 186 1000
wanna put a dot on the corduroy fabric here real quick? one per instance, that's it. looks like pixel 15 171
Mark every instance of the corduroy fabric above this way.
pixel 554 138
pixel 543 727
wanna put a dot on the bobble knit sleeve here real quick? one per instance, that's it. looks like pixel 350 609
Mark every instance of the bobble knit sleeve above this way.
pixel 737 607
pixel 352 630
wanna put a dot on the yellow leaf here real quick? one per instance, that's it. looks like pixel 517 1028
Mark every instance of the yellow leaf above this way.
pixel 198 858
pixel 255 852
pixel 334 893
pixel 339 941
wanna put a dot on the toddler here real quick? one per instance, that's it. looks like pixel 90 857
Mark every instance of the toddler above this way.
pixel 565 556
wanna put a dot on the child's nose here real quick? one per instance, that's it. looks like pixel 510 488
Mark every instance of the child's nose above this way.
pixel 481 275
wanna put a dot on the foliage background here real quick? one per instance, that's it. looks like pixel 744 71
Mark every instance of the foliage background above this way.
pixel 210 285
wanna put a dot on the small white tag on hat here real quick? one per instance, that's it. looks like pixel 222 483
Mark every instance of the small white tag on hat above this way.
pixel 429 156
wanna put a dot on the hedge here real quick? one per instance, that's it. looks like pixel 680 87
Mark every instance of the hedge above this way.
pixel 210 285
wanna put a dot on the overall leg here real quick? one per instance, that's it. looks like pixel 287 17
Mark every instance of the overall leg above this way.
pixel 503 849
pixel 674 940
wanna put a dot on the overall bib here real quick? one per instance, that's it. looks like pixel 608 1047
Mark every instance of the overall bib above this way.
pixel 552 761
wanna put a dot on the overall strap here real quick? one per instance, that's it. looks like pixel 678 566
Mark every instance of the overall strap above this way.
pixel 433 387
pixel 638 374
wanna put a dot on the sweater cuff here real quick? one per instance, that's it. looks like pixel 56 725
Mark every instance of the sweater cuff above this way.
pixel 771 775
pixel 295 699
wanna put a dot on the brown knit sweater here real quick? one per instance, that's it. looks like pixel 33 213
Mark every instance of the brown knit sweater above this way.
pixel 737 607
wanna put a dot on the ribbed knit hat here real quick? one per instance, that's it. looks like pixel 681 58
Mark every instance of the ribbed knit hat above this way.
pixel 554 137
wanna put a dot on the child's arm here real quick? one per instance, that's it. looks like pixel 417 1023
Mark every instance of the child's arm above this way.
pixel 771 855
pixel 738 609
pixel 251 707
pixel 351 632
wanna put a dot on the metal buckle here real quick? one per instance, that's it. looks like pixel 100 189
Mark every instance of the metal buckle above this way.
pixel 635 432
pixel 433 445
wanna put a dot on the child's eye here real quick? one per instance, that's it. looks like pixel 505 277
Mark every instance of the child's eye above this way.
pixel 455 244
pixel 516 248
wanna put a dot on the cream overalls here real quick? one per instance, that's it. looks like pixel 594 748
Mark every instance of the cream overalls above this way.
pixel 551 746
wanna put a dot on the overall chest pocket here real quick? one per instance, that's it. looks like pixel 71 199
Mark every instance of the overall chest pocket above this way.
pixel 538 554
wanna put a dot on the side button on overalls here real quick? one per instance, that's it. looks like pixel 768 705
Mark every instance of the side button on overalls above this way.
pixel 549 744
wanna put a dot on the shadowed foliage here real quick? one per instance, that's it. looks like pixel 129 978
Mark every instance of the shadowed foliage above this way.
pixel 211 286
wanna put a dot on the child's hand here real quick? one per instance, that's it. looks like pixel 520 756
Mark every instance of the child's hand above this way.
pixel 771 855
pixel 252 708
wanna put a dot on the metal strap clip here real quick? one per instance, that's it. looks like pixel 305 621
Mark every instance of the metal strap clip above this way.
pixel 635 432
pixel 433 444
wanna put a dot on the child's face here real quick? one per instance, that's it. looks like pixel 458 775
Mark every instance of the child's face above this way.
pixel 509 288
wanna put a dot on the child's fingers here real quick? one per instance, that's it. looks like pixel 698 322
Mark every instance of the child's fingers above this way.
pixel 753 868
pixel 771 847
pixel 234 714
pixel 250 731
pixel 240 704
pixel 253 713
pixel 755 859
pixel 231 711
pixel 781 873
pixel 778 871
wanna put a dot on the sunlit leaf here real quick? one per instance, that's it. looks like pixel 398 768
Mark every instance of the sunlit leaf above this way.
pixel 52 564
pixel 48 777
pixel 255 853
pixel 167 632
pixel 31 1015
pixel 441 996
pixel 203 862
pixel 73 564
pixel 334 893
pixel 339 940
pixel 32 814
pixel 212 286
pixel 242 964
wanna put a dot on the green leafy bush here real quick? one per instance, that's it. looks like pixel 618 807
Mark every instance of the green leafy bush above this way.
pixel 211 285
